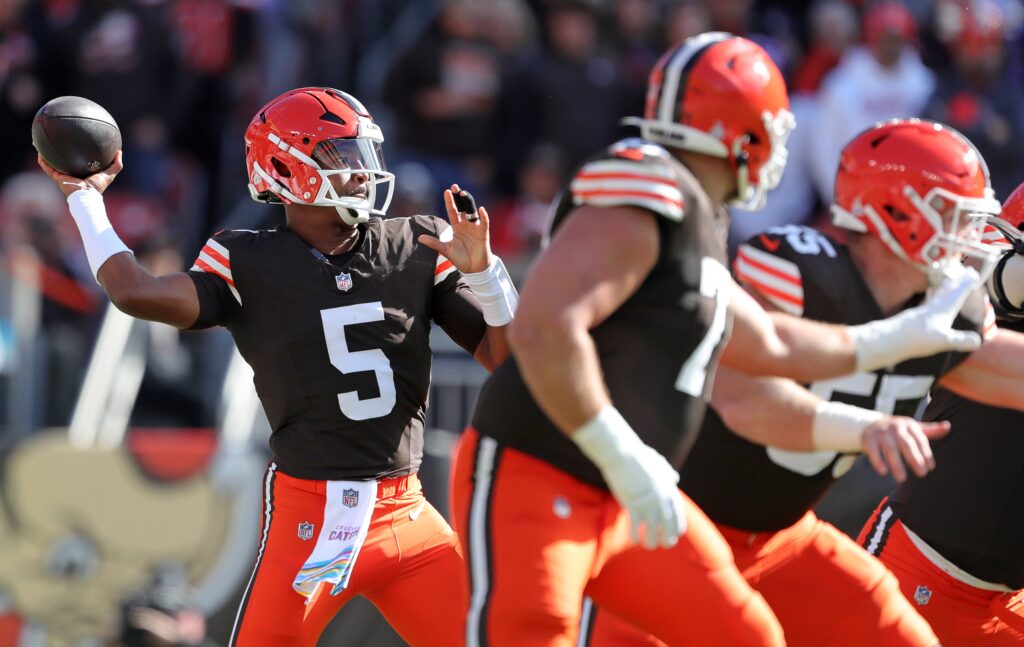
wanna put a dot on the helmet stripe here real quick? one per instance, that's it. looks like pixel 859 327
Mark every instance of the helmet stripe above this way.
pixel 352 101
pixel 677 70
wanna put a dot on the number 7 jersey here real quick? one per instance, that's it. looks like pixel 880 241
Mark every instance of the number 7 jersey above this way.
pixel 801 271
pixel 339 350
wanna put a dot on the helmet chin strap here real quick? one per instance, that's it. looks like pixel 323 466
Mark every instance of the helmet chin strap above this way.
pixel 353 216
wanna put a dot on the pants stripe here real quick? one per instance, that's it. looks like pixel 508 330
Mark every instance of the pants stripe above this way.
pixel 588 614
pixel 268 508
pixel 479 540
pixel 880 532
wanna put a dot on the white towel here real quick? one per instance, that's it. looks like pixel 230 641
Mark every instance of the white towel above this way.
pixel 347 515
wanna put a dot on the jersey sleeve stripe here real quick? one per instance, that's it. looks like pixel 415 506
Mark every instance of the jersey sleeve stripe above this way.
pixel 443 264
pixel 217 256
pixel 220 249
pixel 669 193
pixel 785 302
pixel 657 205
pixel 643 177
pixel 627 193
pixel 654 173
pixel 778 267
pixel 442 275
pixel 210 267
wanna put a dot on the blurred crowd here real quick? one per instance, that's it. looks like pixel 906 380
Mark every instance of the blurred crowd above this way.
pixel 504 97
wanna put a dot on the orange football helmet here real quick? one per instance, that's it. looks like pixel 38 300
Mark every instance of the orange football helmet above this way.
pixel 298 141
pixel 721 95
pixel 919 186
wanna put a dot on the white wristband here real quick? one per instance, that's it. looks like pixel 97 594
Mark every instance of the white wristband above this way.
pixel 98 236
pixel 838 427
pixel 494 289
pixel 606 437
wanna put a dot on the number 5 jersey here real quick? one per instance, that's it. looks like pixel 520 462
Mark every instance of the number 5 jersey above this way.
pixel 338 346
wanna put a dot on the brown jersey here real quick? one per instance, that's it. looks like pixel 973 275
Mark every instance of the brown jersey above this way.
pixel 658 348
pixel 804 272
pixel 971 507
pixel 339 348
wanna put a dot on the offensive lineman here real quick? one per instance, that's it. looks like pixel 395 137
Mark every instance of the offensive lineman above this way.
pixel 955 540
pixel 904 188
pixel 629 305
pixel 332 311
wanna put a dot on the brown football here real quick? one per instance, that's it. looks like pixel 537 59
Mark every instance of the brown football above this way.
pixel 76 136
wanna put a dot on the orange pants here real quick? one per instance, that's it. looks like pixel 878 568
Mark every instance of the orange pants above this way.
pixel 538 540
pixel 824 589
pixel 410 567
pixel 961 615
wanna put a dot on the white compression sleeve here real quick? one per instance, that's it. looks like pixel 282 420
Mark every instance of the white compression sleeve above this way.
pixel 98 235
pixel 494 289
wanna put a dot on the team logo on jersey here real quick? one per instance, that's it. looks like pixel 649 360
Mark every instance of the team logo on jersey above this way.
pixel 922 595
pixel 344 281
pixel 305 531
pixel 350 498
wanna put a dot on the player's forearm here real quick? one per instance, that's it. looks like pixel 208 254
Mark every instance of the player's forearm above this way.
pixel 560 366
pixel 766 411
pixel 493 349
pixel 776 344
pixel 170 299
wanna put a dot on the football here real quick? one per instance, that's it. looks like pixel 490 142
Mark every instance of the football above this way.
pixel 76 136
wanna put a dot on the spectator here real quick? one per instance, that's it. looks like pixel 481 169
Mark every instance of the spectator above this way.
pixel 882 79
pixel 834 27
pixel 21 91
pixel 685 19
pixel 444 92
pixel 978 98
pixel 570 95
pixel 519 224
pixel 635 48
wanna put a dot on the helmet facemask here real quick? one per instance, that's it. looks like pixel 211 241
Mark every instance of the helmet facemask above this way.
pixel 752 197
pixel 958 223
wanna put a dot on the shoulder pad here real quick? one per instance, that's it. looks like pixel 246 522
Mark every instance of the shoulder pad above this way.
pixel 635 173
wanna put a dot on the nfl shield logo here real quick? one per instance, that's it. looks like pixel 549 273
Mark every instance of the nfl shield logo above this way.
pixel 344 281
pixel 349 498
pixel 305 531
pixel 922 595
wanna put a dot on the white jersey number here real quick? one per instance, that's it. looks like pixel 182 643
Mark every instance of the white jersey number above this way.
pixel 714 284
pixel 346 361
pixel 891 390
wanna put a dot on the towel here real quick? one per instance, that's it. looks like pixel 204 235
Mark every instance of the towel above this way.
pixel 346 521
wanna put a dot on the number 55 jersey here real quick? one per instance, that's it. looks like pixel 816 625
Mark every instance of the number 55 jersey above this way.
pixel 805 273
pixel 338 346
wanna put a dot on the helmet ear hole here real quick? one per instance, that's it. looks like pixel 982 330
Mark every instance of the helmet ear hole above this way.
pixel 280 167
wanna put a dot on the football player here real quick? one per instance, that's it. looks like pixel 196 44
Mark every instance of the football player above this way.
pixel 333 312
pixel 910 193
pixel 954 539
pixel 621 324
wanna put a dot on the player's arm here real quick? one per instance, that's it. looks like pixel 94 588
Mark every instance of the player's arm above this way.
pixel 597 259
pixel 779 412
pixel 777 343
pixel 170 299
pixel 467 247
pixel 994 374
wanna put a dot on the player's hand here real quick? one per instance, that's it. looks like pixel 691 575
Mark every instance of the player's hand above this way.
pixel 892 441
pixel 936 315
pixel 99 181
pixel 470 247
pixel 921 331
pixel 645 484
